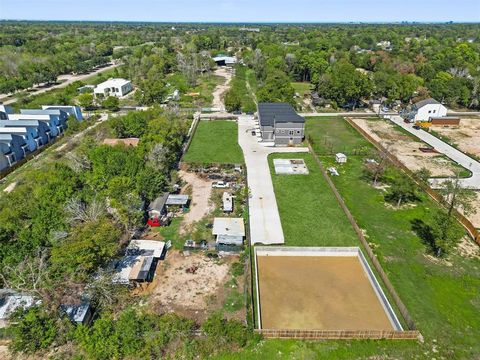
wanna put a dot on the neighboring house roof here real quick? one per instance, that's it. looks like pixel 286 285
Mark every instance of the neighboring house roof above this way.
pixel 228 226
pixel 159 203
pixel 118 82
pixel 127 142
pixel 177 199
pixel 13 130
pixel 146 248
pixel 56 112
pixel 20 123
pixel 226 59
pixel 422 103
pixel 271 113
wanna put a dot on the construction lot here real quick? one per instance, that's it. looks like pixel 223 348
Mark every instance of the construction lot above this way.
pixel 465 137
pixel 409 149
pixel 340 297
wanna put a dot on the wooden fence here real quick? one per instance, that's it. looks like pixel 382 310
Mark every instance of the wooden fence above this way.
pixel 472 231
pixel 339 334
pixel 376 264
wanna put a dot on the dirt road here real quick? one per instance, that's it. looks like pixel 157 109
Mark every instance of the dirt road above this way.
pixel 218 103
pixel 199 206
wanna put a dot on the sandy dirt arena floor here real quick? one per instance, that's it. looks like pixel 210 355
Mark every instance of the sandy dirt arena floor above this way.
pixel 406 149
pixel 318 292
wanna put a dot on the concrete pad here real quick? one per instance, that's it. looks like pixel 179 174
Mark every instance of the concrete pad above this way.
pixel 265 225
pixel 290 167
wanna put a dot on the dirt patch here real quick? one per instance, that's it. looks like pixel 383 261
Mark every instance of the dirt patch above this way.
pixel 201 191
pixel 407 149
pixel 220 90
pixel 467 248
pixel 466 136
pixel 190 294
pixel 341 297
pixel 437 260
pixel 9 189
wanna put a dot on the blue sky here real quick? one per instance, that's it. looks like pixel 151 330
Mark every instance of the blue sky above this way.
pixel 243 10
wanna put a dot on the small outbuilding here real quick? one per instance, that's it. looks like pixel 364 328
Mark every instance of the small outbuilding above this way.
pixel 223 60
pixel 229 231
pixel 81 314
pixel 157 212
pixel 340 158
pixel 177 201
pixel 139 263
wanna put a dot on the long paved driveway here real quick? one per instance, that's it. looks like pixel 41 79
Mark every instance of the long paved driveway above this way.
pixel 460 158
pixel 265 225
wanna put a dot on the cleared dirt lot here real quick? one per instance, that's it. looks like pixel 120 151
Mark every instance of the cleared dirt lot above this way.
pixel 200 201
pixel 318 292
pixel 406 149
pixel 186 293
pixel 465 137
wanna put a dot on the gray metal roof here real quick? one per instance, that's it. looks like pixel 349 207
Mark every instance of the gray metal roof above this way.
pixel 20 123
pixel 177 199
pixel 422 103
pixel 76 313
pixel 159 203
pixel 271 113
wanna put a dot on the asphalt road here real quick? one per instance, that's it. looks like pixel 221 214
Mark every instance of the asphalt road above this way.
pixel 265 224
pixel 460 158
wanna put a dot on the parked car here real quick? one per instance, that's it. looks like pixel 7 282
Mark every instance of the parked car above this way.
pixel 220 185
pixel 237 112
pixel 416 127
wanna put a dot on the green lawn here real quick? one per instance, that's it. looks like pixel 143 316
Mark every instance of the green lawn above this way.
pixel 330 135
pixel 215 142
pixel 301 87
pixel 309 211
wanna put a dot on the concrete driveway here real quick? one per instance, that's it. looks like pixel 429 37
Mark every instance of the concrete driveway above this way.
pixel 265 225
pixel 460 158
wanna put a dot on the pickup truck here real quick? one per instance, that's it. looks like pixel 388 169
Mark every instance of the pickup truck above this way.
pixel 220 185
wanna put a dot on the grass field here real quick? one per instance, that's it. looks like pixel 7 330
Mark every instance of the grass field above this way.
pixel 215 142
pixel 301 87
pixel 330 135
pixel 308 209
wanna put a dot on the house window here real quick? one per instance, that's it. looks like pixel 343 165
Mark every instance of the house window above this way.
pixel 298 132
pixel 429 111
pixel 434 111
pixel 291 132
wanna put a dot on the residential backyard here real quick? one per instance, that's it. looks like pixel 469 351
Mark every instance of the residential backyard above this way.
pixel 215 142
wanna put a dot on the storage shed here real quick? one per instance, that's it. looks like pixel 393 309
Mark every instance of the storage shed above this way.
pixel 157 211
pixel 340 158
pixel 177 200
pixel 81 314
pixel 229 231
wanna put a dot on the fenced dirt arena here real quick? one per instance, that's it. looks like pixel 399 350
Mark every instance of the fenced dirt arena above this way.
pixel 319 290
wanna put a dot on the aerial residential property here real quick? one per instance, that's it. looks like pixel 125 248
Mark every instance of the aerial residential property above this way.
pixel 280 124
pixel 239 180
pixel 113 87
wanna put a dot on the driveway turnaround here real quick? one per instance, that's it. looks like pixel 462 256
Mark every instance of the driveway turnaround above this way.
pixel 460 158
pixel 265 225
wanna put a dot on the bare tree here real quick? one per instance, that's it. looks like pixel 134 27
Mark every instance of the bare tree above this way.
pixel 158 157
pixel 29 276
pixel 79 211
pixel 78 162
pixel 375 169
